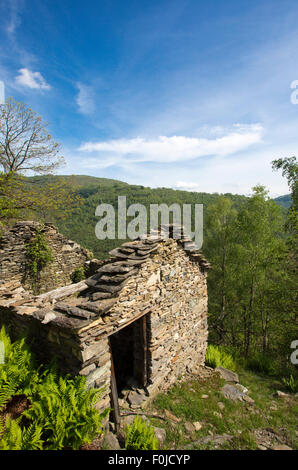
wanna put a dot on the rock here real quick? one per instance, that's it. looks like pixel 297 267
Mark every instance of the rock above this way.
pixel 48 317
pixel 227 374
pixel 217 414
pixel 189 427
pixel 242 388
pixel 129 419
pixel 233 393
pixel 110 441
pixel 197 425
pixel 204 396
pixel 217 440
pixel 221 406
pixel 248 399
pixel 135 398
pixel 161 435
pixel 282 394
pixel 260 447
pixel 172 417
pixel 281 447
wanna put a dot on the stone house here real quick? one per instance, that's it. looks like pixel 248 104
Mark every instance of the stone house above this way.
pixel 135 324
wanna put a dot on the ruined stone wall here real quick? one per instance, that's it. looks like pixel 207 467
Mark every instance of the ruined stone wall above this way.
pixel 68 256
pixel 164 283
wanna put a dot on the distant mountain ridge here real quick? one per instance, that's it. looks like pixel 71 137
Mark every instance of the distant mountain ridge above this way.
pixel 284 201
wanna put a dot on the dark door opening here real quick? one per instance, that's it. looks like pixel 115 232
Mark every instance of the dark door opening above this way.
pixel 129 353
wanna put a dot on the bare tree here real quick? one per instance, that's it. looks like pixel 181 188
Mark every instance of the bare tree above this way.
pixel 27 147
pixel 25 143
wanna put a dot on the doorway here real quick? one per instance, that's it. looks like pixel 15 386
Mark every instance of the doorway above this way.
pixel 129 349
pixel 130 359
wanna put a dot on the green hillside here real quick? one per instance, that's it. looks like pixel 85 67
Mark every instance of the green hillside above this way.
pixel 284 201
pixel 80 226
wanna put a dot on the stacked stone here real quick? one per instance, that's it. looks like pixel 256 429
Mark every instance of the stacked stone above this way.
pixel 68 255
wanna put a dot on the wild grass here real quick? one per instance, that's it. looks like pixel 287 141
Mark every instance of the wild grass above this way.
pixel 219 415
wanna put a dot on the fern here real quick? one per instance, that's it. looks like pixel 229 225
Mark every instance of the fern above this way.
pixel 66 412
pixel 18 373
pixel 216 357
pixel 62 412
pixel 16 438
pixel 140 436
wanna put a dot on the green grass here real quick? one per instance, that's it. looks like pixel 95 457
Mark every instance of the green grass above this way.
pixel 237 419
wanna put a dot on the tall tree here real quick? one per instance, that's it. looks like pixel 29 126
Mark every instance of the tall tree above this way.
pixel 219 223
pixel 259 251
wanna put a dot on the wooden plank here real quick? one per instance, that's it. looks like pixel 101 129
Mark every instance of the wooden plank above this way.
pixel 145 348
pixel 149 310
pixel 61 292
pixel 115 403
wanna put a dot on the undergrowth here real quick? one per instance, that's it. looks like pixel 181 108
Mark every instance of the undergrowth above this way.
pixel 218 357
pixel 140 436
pixel 62 414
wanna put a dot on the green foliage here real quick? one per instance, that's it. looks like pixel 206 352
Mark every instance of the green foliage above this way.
pixel 18 373
pixel 18 438
pixel 261 363
pixel 78 275
pixel 80 224
pixel 64 408
pixel 62 412
pixel 291 384
pixel 140 436
pixel 38 254
pixel 217 357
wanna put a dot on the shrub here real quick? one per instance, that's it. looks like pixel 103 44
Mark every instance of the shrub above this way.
pixel 217 357
pixel 38 253
pixel 261 363
pixel 78 275
pixel 291 384
pixel 140 436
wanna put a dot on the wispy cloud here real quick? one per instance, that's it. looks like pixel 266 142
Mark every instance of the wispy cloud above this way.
pixel 13 15
pixel 31 79
pixel 187 185
pixel 176 148
pixel 85 99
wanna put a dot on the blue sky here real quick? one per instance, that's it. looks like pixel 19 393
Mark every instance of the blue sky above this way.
pixel 185 94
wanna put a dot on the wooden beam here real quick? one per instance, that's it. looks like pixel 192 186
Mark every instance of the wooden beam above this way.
pixel 62 292
pixel 143 325
pixel 149 310
pixel 115 403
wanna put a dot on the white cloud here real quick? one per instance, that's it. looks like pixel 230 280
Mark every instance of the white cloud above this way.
pixel 176 148
pixel 85 99
pixel 188 186
pixel 32 80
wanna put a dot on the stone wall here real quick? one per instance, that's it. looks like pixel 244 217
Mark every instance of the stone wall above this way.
pixel 163 280
pixel 68 256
